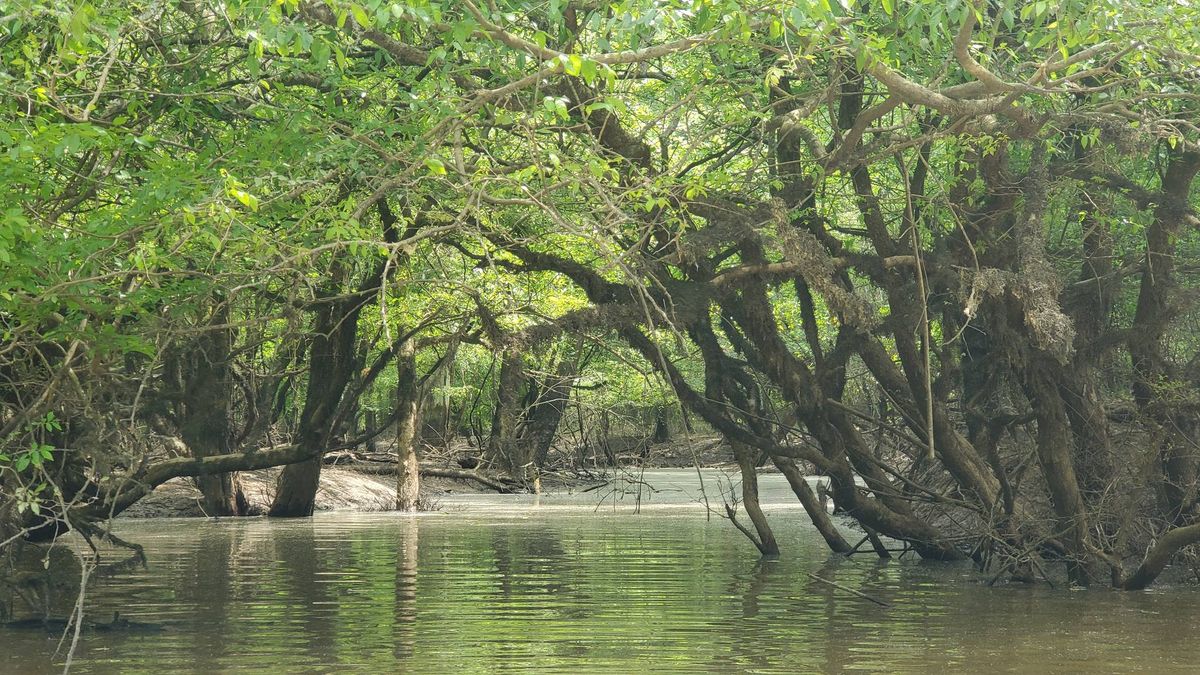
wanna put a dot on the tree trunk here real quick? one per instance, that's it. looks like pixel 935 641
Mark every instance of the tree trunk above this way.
pixel 766 538
pixel 331 363
pixel 1155 377
pixel 1159 555
pixel 545 415
pixel 408 406
pixel 812 506
pixel 1054 450
pixel 296 488
pixel 204 412
pixel 510 390
pixel 662 432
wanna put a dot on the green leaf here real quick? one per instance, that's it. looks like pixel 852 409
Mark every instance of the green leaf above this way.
pixel 320 53
pixel 360 15
pixel 588 71
pixel 560 108
pixel 572 65
pixel 462 31
pixel 245 198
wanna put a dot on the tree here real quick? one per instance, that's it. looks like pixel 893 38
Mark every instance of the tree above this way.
pixel 982 212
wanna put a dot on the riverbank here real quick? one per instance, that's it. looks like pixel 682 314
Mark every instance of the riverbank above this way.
pixel 371 486
pixel 340 489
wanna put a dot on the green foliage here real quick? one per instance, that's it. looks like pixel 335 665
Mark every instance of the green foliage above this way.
pixel 549 178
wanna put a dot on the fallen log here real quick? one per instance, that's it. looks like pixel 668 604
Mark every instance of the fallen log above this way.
pixel 384 464
pixel 342 457
pixel 467 475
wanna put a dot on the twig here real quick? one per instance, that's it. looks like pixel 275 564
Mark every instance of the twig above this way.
pixel 732 515
pixel 836 585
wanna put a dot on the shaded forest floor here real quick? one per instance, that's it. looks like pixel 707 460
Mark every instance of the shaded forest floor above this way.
pixel 367 482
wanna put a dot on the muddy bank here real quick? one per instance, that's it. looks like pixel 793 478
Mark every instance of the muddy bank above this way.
pixel 357 487
pixel 340 489
pixel 371 486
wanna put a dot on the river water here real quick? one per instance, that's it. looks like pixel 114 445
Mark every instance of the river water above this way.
pixel 630 580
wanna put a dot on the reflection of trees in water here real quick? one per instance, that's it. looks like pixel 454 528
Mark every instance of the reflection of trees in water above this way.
pixel 747 649
pixel 529 560
pixel 784 618
pixel 753 588
pixel 405 616
pixel 833 653
pixel 32 588
pixel 207 588
pixel 858 632
pixel 308 597
pixel 528 579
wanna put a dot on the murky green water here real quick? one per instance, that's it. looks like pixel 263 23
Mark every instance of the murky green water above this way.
pixel 496 584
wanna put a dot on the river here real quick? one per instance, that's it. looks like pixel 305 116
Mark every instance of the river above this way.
pixel 634 580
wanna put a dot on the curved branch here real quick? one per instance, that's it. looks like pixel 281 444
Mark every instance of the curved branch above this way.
pixel 132 488
pixel 1157 557
pixel 962 53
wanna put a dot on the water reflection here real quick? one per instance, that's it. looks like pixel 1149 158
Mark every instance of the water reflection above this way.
pixel 494 585
pixel 404 625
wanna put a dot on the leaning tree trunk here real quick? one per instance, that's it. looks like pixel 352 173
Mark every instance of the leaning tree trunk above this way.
pixel 1054 449
pixel 544 417
pixel 408 408
pixel 766 538
pixel 812 506
pixel 1156 378
pixel 331 363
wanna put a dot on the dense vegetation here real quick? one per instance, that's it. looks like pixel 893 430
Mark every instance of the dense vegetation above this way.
pixel 943 253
